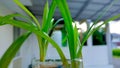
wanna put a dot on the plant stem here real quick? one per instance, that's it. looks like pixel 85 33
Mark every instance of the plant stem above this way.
pixel 41 48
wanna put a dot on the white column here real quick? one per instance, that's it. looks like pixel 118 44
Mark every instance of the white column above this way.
pixel 108 40
pixel 89 41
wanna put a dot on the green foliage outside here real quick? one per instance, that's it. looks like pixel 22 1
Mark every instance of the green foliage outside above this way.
pixel 116 52
pixel 99 38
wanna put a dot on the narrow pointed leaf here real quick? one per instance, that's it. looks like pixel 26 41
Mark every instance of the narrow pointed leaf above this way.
pixel 54 44
pixel 11 16
pixel 31 28
pixel 48 22
pixel 41 41
pixel 27 11
pixel 64 37
pixel 45 15
pixel 22 25
pixel 90 30
pixel 12 50
pixel 76 38
pixel 46 26
pixel 63 7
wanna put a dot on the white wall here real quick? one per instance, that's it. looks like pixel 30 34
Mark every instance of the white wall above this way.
pixel 96 55
pixel 6 32
pixel 4 10
pixel 6 38
pixel 29 51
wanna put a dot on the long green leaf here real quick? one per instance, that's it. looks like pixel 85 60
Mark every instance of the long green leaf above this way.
pixel 11 16
pixel 45 36
pixel 27 11
pixel 64 37
pixel 46 25
pixel 45 15
pixel 39 33
pixel 76 36
pixel 63 7
pixel 12 50
pixel 91 30
pixel 41 41
pixel 100 16
pixel 21 24
pixel 48 22
pixel 54 44
pixel 105 22
pixel 54 25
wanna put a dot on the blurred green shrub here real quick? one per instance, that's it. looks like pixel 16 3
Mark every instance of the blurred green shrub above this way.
pixel 116 52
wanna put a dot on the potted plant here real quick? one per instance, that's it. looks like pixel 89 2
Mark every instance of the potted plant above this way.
pixel 43 33
pixel 32 26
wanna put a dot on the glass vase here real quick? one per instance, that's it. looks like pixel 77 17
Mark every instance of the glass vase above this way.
pixel 77 63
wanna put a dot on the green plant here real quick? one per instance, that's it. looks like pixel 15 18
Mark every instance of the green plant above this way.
pixel 32 25
pixel 98 38
pixel 116 52
pixel 43 32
